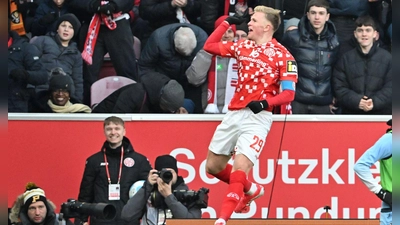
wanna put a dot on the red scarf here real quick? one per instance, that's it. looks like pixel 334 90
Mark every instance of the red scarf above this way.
pixel 10 41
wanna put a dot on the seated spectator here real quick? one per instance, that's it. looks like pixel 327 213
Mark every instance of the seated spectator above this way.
pixel 23 69
pixel 155 94
pixel 58 50
pixel 46 16
pixel 58 98
pixel 170 51
pixel 163 191
pixel 362 78
pixel 32 207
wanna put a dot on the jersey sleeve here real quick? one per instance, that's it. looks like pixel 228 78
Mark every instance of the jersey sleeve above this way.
pixel 288 66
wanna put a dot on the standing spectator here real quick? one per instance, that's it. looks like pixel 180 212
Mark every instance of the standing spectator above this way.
pixel 264 67
pixel 58 50
pixel 110 173
pixel 106 29
pixel 23 69
pixel 362 77
pixel 170 51
pixel 314 45
pixel 46 16
pixel 381 151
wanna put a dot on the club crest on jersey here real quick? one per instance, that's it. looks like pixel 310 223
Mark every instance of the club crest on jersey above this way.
pixel 270 52
pixel 291 66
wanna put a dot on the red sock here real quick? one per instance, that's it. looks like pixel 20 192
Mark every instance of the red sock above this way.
pixel 225 174
pixel 247 186
pixel 235 191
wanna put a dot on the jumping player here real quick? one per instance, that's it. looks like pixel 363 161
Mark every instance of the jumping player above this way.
pixel 267 76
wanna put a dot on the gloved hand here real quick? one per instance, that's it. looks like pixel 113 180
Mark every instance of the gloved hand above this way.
pixel 257 106
pixel 108 8
pixel 48 18
pixel 236 19
pixel 19 75
pixel 385 196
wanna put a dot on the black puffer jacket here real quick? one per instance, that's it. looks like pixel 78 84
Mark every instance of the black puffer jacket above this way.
pixel 357 74
pixel 94 185
pixel 315 56
pixel 354 8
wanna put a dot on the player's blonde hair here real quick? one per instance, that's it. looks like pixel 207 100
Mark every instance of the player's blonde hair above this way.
pixel 271 14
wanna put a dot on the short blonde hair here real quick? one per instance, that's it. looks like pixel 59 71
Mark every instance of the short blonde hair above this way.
pixel 271 14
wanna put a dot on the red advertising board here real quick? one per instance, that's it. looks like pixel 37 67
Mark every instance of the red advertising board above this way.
pixel 314 167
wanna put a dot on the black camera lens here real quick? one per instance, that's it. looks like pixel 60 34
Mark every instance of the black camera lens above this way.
pixel 166 175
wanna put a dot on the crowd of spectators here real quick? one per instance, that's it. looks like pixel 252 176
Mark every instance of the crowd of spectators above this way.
pixel 75 35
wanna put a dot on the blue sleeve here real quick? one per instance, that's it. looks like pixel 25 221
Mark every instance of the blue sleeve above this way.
pixel 287 85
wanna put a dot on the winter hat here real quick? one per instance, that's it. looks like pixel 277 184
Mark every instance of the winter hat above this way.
pixel 220 20
pixel 166 161
pixel 244 27
pixel 172 96
pixel 33 194
pixel 185 40
pixel 71 18
pixel 59 80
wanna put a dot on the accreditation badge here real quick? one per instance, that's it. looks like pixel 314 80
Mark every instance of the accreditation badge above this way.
pixel 114 192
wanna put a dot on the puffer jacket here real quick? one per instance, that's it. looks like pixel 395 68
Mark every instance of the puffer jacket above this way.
pixel 315 56
pixel 353 8
pixel 53 54
pixel 357 74
pixel 42 10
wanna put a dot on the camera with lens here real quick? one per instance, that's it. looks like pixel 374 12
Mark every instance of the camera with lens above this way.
pixel 188 198
pixel 165 175
pixel 76 209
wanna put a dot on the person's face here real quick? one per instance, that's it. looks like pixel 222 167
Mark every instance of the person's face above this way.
pixel 59 97
pixel 37 212
pixel 365 36
pixel 258 25
pixel 59 3
pixel 240 35
pixel 318 17
pixel 229 35
pixel 65 31
pixel 114 133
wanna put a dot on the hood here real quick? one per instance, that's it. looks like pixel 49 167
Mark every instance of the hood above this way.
pixel 17 208
pixel 153 82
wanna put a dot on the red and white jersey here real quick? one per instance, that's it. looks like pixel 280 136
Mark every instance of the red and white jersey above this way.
pixel 260 70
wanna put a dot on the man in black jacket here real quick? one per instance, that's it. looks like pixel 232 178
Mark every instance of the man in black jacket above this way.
pixel 110 173
pixel 362 78
pixel 314 45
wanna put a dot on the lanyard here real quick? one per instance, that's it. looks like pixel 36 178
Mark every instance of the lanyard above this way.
pixel 120 166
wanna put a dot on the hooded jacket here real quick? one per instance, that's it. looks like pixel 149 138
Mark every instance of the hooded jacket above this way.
pixel 94 185
pixel 315 56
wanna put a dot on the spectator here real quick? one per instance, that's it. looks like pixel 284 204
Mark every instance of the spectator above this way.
pixel 163 12
pixel 170 51
pixel 162 190
pixel 315 34
pixel 46 16
pixel 381 151
pixel 106 29
pixel 32 207
pixel 362 77
pixel 110 172
pixel 23 69
pixel 58 50
pixel 222 81
pixel 241 32
pixel 57 99
pixel 155 94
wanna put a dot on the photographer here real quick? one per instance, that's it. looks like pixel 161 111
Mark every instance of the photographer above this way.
pixel 142 206
pixel 32 207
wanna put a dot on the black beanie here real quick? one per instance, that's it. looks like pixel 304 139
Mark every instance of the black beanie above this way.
pixel 60 81
pixel 166 161
pixel 71 18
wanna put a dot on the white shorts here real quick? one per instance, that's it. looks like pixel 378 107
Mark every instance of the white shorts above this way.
pixel 242 132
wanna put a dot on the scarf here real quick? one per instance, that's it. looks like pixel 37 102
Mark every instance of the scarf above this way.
pixel 93 32
pixel 69 107
pixel 10 41
pixel 231 82
pixel 212 88
pixel 16 21
pixel 180 15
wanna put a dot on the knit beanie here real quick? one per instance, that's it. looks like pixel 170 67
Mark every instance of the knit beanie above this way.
pixel 220 20
pixel 166 161
pixel 33 194
pixel 244 27
pixel 59 80
pixel 71 18
pixel 172 96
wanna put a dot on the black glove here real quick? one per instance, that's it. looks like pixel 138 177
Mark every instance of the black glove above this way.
pixel 236 19
pixel 19 75
pixel 257 106
pixel 48 18
pixel 385 196
pixel 108 8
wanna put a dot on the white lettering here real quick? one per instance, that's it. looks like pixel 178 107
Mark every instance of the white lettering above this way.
pixel 350 163
pixel 326 171
pixel 285 162
pixel 270 172
pixel 184 166
pixel 333 211
pixel 303 211
pixel 312 163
